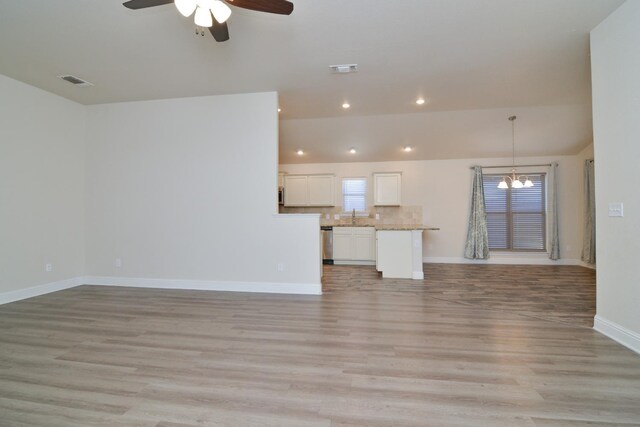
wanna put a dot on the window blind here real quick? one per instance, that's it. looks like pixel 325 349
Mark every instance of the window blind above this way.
pixel 516 218
pixel 354 194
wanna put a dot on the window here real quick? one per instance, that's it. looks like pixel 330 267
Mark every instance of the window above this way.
pixel 354 194
pixel 516 218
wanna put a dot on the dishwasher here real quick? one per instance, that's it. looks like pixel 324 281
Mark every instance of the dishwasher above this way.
pixel 327 244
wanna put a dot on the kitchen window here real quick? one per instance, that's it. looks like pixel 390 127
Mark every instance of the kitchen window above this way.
pixel 354 194
pixel 516 218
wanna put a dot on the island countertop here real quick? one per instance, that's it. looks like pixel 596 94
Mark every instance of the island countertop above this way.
pixel 391 227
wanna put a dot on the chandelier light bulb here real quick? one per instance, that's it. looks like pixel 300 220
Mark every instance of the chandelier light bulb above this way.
pixel 346 105
pixel 517 184
pixel 352 150
pixel 220 11
pixel 299 152
pixel 503 184
pixel 203 17
pixel 186 7
pixel 528 183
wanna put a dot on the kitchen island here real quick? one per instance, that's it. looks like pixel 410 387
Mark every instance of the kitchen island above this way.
pixel 395 249
pixel 399 251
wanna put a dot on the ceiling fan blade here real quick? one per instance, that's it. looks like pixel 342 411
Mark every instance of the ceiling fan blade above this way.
pixel 219 31
pixel 141 4
pixel 282 7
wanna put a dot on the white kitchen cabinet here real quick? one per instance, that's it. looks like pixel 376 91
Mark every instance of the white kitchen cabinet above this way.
pixel 354 245
pixel 341 245
pixel 387 189
pixel 295 190
pixel 309 190
pixel 321 190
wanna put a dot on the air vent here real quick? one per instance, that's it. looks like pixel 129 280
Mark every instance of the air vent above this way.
pixel 344 68
pixel 75 80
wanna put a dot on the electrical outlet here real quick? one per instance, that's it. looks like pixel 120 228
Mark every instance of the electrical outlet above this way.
pixel 616 209
pixel 377 216
pixel 280 267
pixel 336 217
pixel 48 268
pixel 327 216
pixel 118 262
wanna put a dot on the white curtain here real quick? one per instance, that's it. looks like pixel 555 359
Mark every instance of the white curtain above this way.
pixel 554 239
pixel 589 239
pixel 477 245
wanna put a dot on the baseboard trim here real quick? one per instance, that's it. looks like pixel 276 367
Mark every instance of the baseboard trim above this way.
pixel 417 275
pixel 504 260
pixel 618 333
pixel 206 285
pixel 34 291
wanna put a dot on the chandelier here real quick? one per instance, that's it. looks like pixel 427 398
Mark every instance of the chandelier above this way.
pixel 515 181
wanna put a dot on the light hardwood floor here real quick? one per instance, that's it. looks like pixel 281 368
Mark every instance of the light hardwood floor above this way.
pixel 468 346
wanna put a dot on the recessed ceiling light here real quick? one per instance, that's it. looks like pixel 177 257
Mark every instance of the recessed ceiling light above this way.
pixel 279 109
pixel 407 149
pixel 346 105
pixel 352 150
pixel 300 152
pixel 420 101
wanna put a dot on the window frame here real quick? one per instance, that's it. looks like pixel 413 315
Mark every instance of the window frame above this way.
pixel 510 214
pixel 364 194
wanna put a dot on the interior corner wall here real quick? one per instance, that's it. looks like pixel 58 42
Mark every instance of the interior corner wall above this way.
pixel 615 63
pixel 41 188
pixel 443 188
pixel 186 190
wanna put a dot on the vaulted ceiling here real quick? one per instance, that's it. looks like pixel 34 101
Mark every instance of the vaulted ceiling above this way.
pixel 459 55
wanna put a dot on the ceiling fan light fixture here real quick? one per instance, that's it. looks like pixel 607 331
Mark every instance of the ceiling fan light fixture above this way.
pixel 203 17
pixel 186 7
pixel 220 11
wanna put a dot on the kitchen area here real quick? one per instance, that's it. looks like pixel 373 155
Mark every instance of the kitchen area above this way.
pixel 363 221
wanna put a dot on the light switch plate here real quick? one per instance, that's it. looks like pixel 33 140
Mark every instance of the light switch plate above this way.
pixel 336 216
pixel 616 209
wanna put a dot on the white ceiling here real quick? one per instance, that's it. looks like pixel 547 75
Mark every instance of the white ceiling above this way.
pixel 458 54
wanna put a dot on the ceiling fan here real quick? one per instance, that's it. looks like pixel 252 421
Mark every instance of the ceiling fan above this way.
pixel 213 14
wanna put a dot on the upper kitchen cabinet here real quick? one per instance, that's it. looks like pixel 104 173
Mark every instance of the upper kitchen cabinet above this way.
pixel 387 189
pixel 309 190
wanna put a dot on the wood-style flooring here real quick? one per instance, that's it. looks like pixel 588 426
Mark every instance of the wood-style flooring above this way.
pixel 468 346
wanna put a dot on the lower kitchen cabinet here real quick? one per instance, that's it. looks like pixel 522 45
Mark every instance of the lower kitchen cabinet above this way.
pixel 354 245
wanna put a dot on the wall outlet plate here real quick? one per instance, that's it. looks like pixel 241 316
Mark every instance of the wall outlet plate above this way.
pixel 616 209
pixel 377 216
pixel 48 268
pixel 336 216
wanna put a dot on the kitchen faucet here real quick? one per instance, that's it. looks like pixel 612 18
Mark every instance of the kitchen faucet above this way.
pixel 353 217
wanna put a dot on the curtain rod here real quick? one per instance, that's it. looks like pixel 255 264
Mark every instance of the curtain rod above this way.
pixel 512 166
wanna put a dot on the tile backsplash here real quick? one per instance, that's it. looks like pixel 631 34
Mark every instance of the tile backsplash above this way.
pixel 388 215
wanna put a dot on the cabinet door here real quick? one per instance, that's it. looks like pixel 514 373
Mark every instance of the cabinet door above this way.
pixel 342 246
pixel 295 190
pixel 321 190
pixel 364 244
pixel 387 189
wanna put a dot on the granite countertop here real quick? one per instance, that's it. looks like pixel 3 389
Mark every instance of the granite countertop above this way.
pixel 390 227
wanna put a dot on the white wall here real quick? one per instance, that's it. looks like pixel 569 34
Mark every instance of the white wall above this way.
pixel 185 189
pixel 615 62
pixel 41 187
pixel 442 188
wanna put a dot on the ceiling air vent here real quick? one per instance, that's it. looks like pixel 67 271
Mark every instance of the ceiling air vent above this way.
pixel 75 80
pixel 344 68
